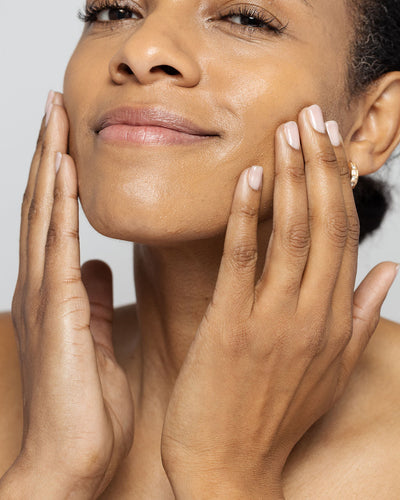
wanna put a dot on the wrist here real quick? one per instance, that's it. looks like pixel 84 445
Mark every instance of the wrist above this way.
pixel 204 488
pixel 22 481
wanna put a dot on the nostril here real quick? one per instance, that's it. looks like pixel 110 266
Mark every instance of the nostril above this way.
pixel 124 68
pixel 167 69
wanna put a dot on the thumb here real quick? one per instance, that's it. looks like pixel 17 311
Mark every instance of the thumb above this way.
pixel 370 295
pixel 97 278
pixel 367 303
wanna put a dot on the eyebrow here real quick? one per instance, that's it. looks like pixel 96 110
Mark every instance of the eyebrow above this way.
pixel 308 3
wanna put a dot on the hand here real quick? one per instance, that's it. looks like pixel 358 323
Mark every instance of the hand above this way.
pixel 268 360
pixel 78 408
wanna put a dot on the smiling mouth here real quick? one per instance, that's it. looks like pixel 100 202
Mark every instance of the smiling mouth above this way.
pixel 148 134
pixel 150 126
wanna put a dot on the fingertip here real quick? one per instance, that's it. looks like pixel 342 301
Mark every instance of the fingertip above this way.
pixel 65 168
pixel 373 290
pixel 58 99
pixel 97 277
pixel 59 157
pixel 97 266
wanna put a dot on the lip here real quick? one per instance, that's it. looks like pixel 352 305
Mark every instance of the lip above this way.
pixel 151 125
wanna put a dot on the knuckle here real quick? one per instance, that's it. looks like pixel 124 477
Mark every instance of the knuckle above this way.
pixel 46 149
pixel 353 232
pixel 341 336
pixel 58 194
pixel 57 235
pixel 296 174
pixel 312 335
pixel 235 342
pixel 247 211
pixel 314 343
pixel 101 312
pixel 35 211
pixel 52 235
pixel 291 287
pixel 344 171
pixel 76 306
pixel 244 256
pixel 325 158
pixel 337 228
pixel 296 240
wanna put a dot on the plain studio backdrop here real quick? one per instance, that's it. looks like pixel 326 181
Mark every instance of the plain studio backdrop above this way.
pixel 36 41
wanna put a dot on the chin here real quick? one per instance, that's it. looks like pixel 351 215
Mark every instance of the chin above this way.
pixel 117 215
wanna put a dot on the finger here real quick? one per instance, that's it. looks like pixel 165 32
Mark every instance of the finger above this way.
pixel 55 140
pixel 328 220
pixel 97 279
pixel 344 290
pixel 290 240
pixel 368 300
pixel 62 273
pixel 236 276
pixel 28 194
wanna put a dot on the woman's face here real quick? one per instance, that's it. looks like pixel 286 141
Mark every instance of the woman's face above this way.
pixel 210 62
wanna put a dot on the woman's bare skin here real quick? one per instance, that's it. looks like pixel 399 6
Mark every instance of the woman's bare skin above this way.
pixel 172 200
pixel 350 453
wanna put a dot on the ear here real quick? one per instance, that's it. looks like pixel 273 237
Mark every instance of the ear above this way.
pixel 375 132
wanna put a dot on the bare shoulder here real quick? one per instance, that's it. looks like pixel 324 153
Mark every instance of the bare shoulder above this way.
pixel 10 395
pixel 353 452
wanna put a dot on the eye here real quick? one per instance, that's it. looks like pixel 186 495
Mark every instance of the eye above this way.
pixel 107 11
pixel 250 18
pixel 107 15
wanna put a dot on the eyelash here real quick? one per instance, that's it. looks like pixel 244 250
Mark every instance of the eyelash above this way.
pixel 265 23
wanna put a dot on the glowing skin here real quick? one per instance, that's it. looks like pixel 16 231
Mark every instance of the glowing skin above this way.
pixel 166 110
pixel 238 84
pixel 173 200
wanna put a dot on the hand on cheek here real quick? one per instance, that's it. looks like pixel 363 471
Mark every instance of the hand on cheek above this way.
pixel 271 358
pixel 78 408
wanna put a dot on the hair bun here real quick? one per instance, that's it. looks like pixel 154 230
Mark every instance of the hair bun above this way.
pixel 372 201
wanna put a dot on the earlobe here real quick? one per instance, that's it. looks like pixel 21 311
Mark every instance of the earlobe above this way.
pixel 377 132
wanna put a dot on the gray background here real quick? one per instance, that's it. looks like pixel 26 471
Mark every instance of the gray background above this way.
pixel 36 41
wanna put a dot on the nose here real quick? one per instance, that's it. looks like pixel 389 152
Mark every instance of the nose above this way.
pixel 155 52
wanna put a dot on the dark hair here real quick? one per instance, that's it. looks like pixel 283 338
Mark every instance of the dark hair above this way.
pixel 375 51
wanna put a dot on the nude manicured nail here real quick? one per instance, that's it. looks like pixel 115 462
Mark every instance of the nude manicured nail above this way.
pixel 50 98
pixel 58 99
pixel 292 134
pixel 333 131
pixel 58 161
pixel 48 113
pixel 316 118
pixel 254 177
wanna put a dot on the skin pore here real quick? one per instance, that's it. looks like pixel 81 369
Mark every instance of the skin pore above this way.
pixel 239 83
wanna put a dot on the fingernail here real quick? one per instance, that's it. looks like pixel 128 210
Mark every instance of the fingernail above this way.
pixel 48 113
pixel 397 271
pixel 316 118
pixel 58 99
pixel 292 134
pixel 254 177
pixel 333 131
pixel 50 98
pixel 58 161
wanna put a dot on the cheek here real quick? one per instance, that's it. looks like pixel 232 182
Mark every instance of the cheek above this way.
pixel 156 195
